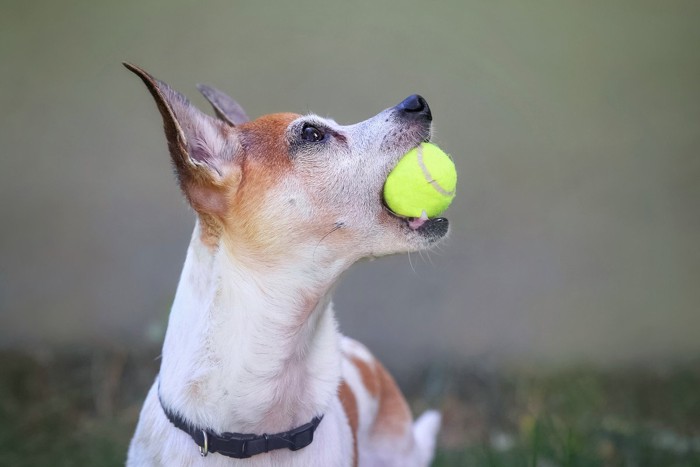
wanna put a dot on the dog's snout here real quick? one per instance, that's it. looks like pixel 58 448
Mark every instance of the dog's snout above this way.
pixel 435 229
pixel 416 107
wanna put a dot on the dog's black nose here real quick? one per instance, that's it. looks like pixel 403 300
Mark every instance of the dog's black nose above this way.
pixel 435 229
pixel 415 106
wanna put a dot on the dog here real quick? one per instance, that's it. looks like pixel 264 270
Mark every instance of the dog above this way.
pixel 254 371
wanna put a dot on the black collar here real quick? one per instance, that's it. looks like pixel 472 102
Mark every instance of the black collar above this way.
pixel 242 446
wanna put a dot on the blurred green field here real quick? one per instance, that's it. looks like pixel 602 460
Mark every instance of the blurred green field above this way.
pixel 80 408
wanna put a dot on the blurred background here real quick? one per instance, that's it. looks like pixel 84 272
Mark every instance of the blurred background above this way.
pixel 560 320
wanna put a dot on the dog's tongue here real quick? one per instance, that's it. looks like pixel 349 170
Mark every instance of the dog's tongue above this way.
pixel 417 222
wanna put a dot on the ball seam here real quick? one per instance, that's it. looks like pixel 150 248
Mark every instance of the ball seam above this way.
pixel 428 176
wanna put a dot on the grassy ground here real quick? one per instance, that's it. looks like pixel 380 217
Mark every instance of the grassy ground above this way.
pixel 80 409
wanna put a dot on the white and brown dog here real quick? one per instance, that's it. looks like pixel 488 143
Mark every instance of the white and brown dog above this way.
pixel 254 371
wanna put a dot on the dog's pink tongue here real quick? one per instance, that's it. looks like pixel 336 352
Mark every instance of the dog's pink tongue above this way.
pixel 417 222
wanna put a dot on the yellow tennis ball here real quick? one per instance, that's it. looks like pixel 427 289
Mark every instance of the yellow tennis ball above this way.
pixel 424 180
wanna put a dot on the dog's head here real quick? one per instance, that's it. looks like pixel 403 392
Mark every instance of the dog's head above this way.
pixel 286 184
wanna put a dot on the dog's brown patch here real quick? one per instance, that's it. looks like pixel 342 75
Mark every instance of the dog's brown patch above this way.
pixel 264 164
pixel 347 398
pixel 393 416
pixel 368 375
pixel 264 137
pixel 211 230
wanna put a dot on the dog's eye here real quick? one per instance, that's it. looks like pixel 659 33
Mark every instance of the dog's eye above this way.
pixel 311 134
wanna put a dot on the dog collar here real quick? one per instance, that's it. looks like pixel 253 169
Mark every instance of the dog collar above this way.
pixel 242 446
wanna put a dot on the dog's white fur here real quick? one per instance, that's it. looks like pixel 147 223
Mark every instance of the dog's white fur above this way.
pixel 252 344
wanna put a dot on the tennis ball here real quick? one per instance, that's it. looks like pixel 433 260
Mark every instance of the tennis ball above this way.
pixel 423 180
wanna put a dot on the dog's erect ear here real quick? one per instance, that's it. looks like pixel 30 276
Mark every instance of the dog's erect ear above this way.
pixel 203 149
pixel 225 107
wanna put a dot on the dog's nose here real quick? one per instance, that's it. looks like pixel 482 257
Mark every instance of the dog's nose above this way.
pixel 416 107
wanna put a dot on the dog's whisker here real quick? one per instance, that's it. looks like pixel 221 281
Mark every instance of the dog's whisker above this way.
pixel 336 226
pixel 411 263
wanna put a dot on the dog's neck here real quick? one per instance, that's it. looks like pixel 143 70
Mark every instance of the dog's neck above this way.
pixel 250 349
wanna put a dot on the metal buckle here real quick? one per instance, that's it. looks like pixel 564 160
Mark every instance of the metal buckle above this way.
pixel 204 450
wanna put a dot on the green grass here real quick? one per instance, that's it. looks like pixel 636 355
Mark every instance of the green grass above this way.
pixel 81 408
pixel 583 418
pixel 49 414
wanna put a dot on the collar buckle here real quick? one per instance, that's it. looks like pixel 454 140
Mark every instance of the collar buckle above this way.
pixel 204 450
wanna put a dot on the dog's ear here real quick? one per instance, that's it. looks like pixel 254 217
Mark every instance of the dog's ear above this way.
pixel 225 107
pixel 203 149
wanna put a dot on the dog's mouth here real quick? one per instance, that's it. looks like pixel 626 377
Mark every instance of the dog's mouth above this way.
pixel 436 227
pixel 431 229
